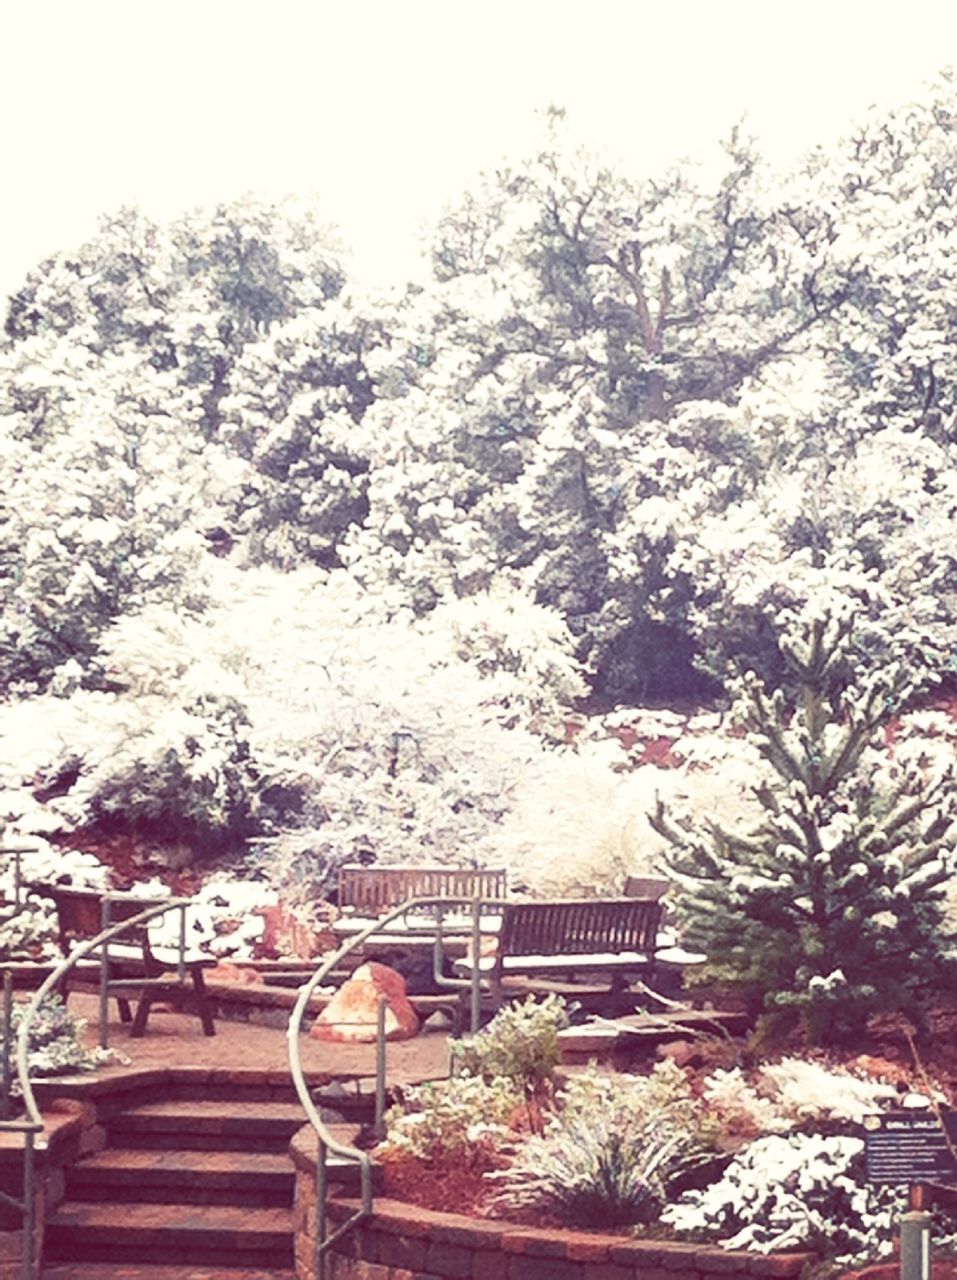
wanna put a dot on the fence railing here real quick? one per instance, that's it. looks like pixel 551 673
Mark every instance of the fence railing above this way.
pixel 326 1142
pixel 30 1124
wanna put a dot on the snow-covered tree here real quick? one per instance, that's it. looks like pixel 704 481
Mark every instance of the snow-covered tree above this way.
pixel 831 905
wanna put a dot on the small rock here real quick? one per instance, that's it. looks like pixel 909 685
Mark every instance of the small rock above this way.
pixel 333 1091
pixel 681 1052
pixel 882 1069
pixel 439 1021
pixel 240 973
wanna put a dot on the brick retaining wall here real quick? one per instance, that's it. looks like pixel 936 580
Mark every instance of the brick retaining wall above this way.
pixel 64 1126
pixel 404 1242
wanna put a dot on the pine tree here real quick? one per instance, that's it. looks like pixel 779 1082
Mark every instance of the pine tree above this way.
pixel 830 908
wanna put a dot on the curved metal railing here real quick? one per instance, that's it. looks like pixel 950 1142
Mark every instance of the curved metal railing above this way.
pixel 31 1123
pixel 326 1141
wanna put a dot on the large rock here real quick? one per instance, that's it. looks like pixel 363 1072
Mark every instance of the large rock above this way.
pixel 285 935
pixel 352 1012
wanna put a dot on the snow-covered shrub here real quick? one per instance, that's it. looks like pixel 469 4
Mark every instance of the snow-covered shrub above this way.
pixel 581 825
pixel 781 1096
pixel 520 1044
pixel 29 932
pixel 739 1106
pixel 57 1040
pixel 189 778
pixel 393 742
pixel 612 1152
pixel 179 768
pixel 807 1090
pixel 289 707
pixel 523 649
pixel 578 828
pixel 799 1191
pixel 464 1117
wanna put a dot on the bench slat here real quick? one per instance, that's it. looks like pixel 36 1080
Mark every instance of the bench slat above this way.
pixel 373 890
pixel 602 925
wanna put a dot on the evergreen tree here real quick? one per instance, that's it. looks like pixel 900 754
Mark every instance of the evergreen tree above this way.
pixel 830 908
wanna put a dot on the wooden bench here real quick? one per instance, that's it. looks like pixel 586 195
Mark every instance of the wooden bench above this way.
pixel 371 891
pixel 134 964
pixel 653 887
pixel 579 938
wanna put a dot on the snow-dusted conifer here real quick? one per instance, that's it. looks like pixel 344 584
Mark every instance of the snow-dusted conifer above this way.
pixel 830 906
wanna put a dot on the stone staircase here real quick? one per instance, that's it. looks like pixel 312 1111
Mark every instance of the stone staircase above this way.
pixel 187 1188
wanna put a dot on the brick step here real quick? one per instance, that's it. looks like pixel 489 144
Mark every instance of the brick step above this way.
pixel 353 1099
pixel 203 1124
pixel 123 1271
pixel 183 1177
pixel 212 1234
pixel 197 1177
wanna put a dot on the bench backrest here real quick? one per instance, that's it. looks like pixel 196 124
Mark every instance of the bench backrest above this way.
pixel 589 926
pixel 372 890
pixel 79 916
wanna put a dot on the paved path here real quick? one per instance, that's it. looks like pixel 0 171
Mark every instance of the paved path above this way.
pixel 177 1040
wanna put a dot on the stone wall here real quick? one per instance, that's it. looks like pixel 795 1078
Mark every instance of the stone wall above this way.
pixel 64 1127
pixel 403 1242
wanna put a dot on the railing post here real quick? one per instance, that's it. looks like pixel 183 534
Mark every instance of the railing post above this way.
pixel 7 1043
pixel 475 1010
pixel 380 1052
pixel 104 974
pixel 181 959
pixel 29 1209
pixel 322 1221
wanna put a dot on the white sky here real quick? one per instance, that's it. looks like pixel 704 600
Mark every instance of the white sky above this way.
pixel 387 108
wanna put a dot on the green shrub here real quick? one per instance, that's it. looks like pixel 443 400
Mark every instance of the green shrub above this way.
pixel 612 1153
pixel 520 1044
pixel 464 1116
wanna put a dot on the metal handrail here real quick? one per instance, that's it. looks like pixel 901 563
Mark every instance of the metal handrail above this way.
pixel 326 1142
pixel 31 1124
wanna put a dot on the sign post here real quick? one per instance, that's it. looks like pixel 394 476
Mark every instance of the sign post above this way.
pixel 915 1235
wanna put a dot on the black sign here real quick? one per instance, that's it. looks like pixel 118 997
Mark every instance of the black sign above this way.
pixel 910 1147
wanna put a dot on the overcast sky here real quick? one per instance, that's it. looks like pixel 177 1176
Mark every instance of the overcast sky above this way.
pixel 388 107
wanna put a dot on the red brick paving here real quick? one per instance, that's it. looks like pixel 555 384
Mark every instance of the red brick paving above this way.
pixel 253 1053
pixel 177 1040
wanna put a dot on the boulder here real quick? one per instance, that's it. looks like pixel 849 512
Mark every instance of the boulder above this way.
pixel 351 1014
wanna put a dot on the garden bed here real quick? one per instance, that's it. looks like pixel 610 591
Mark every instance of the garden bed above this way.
pixel 400 1238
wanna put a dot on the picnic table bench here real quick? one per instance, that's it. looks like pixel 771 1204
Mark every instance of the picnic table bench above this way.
pixel 135 965
pixel 618 937
pixel 369 891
